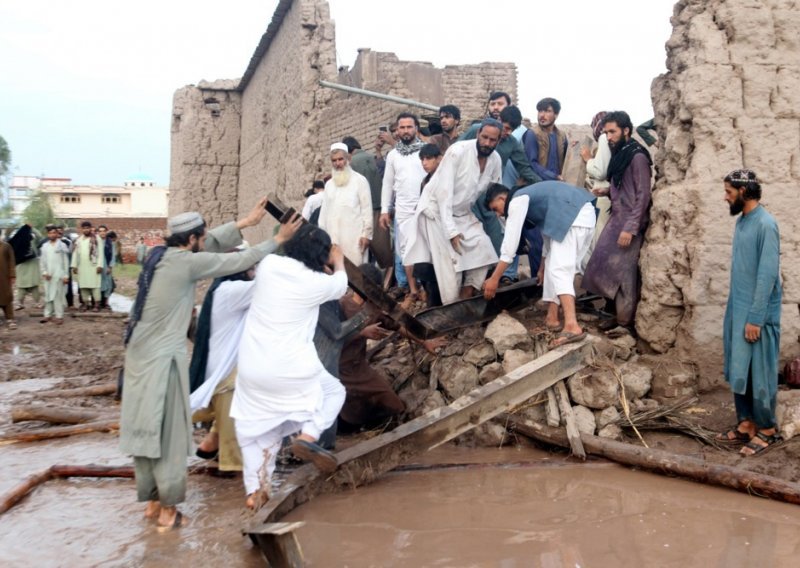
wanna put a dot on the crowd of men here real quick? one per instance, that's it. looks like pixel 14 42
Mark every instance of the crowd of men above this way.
pixel 279 363
pixel 45 268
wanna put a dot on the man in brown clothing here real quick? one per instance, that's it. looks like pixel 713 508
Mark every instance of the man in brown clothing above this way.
pixel 8 273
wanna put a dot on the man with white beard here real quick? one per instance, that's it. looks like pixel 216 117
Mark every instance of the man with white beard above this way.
pixel 346 211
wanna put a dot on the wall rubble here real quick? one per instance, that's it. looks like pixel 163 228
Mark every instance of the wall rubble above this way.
pixel 730 99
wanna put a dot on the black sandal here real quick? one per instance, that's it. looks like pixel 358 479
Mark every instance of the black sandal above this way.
pixel 738 436
pixel 769 439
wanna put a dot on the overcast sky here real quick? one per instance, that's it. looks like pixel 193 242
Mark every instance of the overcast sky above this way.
pixel 86 86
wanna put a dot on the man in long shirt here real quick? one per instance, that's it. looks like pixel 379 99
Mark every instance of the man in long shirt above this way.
pixel 546 145
pixel 613 269
pixel 106 280
pixel 155 424
pixel 401 188
pixel 449 119
pixel 566 217
pixel 346 210
pixel 54 266
pixel 466 170
pixel 88 263
pixel 366 165
pixel 752 325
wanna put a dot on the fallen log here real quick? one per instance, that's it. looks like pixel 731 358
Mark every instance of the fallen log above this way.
pixel 59 431
pixel 58 414
pixel 663 462
pixel 94 390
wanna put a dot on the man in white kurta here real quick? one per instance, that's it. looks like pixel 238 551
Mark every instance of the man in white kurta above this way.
pixel 54 266
pixel 88 263
pixel 282 387
pixel 402 181
pixel 466 170
pixel 346 210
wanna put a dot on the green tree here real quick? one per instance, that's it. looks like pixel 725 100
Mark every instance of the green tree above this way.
pixel 39 212
pixel 5 157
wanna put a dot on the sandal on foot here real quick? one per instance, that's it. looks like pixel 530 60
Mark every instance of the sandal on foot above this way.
pixel 206 454
pixel 566 337
pixel 768 439
pixel 322 459
pixel 176 524
pixel 733 436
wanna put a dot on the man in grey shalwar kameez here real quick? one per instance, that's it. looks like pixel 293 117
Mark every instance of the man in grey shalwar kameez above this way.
pixel 155 424
pixel 752 325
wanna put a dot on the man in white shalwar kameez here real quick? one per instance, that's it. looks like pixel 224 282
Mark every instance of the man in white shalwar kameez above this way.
pixel 402 181
pixel 346 210
pixel 467 169
pixel 54 267
pixel 282 387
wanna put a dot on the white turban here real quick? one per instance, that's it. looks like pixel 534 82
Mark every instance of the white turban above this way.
pixel 339 146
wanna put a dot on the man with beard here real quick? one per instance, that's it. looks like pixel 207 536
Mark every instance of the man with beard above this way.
pixel 449 119
pixel 346 210
pixel 155 422
pixel 509 148
pixel 467 169
pixel 106 280
pixel 88 263
pixel 546 145
pixel 566 217
pixel 613 269
pixel 401 189
pixel 752 325
pixel 366 165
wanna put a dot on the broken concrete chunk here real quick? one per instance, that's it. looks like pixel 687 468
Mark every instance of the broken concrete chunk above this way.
pixel 490 372
pixel 584 419
pixel 787 411
pixel 606 417
pixel 597 390
pixel 637 380
pixel 611 431
pixel 480 354
pixel 515 358
pixel 455 376
pixel 507 333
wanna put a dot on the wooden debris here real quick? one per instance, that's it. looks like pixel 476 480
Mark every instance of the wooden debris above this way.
pixel 364 462
pixel 59 431
pixel 58 414
pixel 279 544
pixel 94 390
pixel 573 435
pixel 667 463
pixel 551 410
pixel 87 315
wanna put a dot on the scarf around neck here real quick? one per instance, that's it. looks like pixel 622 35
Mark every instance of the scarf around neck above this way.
pixel 622 158
pixel 407 149
pixel 145 279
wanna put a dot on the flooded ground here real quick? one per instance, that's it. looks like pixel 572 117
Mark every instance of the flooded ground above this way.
pixel 542 510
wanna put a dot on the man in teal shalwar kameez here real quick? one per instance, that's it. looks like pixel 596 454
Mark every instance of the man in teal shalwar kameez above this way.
pixel 752 325
pixel 155 425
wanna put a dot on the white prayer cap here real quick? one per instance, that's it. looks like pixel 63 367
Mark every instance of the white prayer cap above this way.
pixel 184 222
pixel 338 146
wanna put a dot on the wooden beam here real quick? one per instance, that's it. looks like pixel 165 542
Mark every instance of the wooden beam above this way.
pixel 551 410
pixel 364 462
pixel 667 463
pixel 573 435
pixel 279 544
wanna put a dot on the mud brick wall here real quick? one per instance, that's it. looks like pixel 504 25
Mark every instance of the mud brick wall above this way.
pixel 204 165
pixel 130 229
pixel 730 98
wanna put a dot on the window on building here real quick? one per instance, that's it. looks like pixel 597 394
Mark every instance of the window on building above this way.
pixel 70 198
pixel 111 198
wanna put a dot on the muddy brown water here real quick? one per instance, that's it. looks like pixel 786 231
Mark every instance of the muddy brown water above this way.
pixel 512 508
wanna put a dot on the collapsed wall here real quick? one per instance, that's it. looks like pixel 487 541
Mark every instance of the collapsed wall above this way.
pixel 730 99
pixel 235 141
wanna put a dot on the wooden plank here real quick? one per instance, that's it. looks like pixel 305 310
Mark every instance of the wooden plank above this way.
pixel 667 463
pixel 364 462
pixel 551 410
pixel 573 435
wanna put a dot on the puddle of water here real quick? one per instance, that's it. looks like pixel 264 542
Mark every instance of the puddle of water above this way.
pixel 558 515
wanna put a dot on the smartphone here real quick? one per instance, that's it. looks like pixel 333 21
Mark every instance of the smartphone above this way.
pixel 383 129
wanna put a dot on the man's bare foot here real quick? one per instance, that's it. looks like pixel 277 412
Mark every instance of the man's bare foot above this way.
pixel 170 518
pixel 152 509
pixel 209 447
pixel 256 500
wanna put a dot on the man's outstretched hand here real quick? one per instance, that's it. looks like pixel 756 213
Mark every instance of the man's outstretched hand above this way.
pixel 254 217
